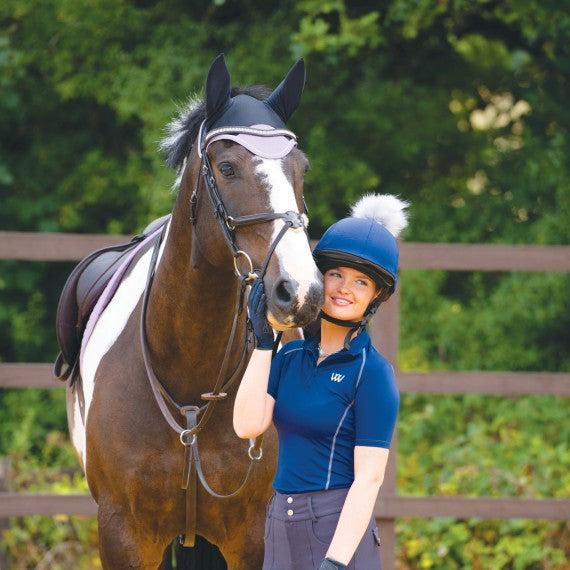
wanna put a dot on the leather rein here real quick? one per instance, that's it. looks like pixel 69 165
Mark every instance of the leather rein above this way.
pixel 195 416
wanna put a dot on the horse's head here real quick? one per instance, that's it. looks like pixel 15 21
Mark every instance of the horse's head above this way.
pixel 241 183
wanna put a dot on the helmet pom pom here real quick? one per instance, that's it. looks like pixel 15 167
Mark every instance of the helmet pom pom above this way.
pixel 387 210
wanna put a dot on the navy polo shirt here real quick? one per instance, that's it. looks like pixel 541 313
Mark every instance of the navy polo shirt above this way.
pixel 323 411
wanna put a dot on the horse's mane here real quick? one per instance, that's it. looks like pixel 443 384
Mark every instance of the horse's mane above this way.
pixel 183 129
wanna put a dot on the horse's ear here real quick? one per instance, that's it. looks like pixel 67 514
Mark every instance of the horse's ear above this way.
pixel 218 87
pixel 285 99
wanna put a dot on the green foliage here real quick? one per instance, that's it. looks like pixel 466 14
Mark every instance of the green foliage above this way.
pixel 483 446
pixel 460 107
pixel 475 321
pixel 327 27
pixel 53 543
pixel 449 544
pixel 33 436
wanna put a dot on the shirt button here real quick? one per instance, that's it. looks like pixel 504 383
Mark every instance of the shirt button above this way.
pixel 290 512
pixel 289 500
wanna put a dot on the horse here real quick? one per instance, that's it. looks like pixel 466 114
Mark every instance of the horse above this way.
pixel 171 340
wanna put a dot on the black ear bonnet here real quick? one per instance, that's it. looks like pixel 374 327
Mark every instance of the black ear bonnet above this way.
pixel 222 110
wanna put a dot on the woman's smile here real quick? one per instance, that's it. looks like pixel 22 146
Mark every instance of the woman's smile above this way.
pixel 341 301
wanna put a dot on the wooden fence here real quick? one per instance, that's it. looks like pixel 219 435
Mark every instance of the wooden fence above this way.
pixel 390 505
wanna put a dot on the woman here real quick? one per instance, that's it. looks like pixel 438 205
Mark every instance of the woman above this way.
pixel 333 399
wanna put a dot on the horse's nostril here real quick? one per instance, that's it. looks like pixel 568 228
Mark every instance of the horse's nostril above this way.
pixel 283 292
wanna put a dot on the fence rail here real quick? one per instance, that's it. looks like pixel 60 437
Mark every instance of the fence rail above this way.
pixel 390 505
pixel 28 246
pixel 15 375
pixel 46 504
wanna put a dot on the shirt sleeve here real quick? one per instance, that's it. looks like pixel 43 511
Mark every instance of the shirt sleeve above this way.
pixel 376 406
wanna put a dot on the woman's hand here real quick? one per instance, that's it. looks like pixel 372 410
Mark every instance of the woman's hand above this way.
pixel 257 305
pixel 253 406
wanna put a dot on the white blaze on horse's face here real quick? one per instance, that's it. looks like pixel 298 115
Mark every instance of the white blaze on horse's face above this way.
pixel 293 252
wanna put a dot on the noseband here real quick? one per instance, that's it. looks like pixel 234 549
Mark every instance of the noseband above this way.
pixel 229 224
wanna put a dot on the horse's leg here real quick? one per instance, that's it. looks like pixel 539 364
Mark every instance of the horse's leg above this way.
pixel 123 546
pixel 248 557
pixel 168 557
pixel 237 525
pixel 245 549
pixel 244 519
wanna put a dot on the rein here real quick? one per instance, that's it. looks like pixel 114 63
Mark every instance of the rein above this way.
pixel 194 425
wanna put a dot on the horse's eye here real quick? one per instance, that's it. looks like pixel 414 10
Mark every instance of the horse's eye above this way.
pixel 227 170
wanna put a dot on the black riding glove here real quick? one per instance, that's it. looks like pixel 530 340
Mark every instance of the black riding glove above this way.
pixel 328 564
pixel 257 304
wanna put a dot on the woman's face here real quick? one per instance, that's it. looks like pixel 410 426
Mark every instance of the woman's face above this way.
pixel 348 293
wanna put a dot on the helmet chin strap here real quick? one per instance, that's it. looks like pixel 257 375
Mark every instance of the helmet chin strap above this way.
pixel 354 326
pixel 339 322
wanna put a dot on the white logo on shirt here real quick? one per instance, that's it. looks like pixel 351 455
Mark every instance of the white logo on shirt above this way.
pixel 336 377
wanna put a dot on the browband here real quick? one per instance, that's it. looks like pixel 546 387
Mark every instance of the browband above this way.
pixel 251 131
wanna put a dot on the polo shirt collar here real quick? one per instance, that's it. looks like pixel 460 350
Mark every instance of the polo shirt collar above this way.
pixel 356 345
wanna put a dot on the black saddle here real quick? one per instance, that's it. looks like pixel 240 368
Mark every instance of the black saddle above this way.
pixel 81 292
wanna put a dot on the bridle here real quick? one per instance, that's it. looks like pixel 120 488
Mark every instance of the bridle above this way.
pixel 229 225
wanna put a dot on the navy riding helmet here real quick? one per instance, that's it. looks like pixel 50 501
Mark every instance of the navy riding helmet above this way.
pixel 366 241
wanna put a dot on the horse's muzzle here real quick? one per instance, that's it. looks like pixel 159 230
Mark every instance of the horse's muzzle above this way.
pixel 286 310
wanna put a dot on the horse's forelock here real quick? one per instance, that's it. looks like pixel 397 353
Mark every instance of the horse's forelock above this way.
pixel 182 131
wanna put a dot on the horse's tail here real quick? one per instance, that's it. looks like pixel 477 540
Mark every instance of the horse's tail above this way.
pixel 203 556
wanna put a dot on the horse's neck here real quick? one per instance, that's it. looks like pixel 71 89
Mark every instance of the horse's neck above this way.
pixel 190 314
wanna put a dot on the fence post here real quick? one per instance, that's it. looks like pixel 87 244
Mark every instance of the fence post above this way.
pixel 5 484
pixel 385 334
